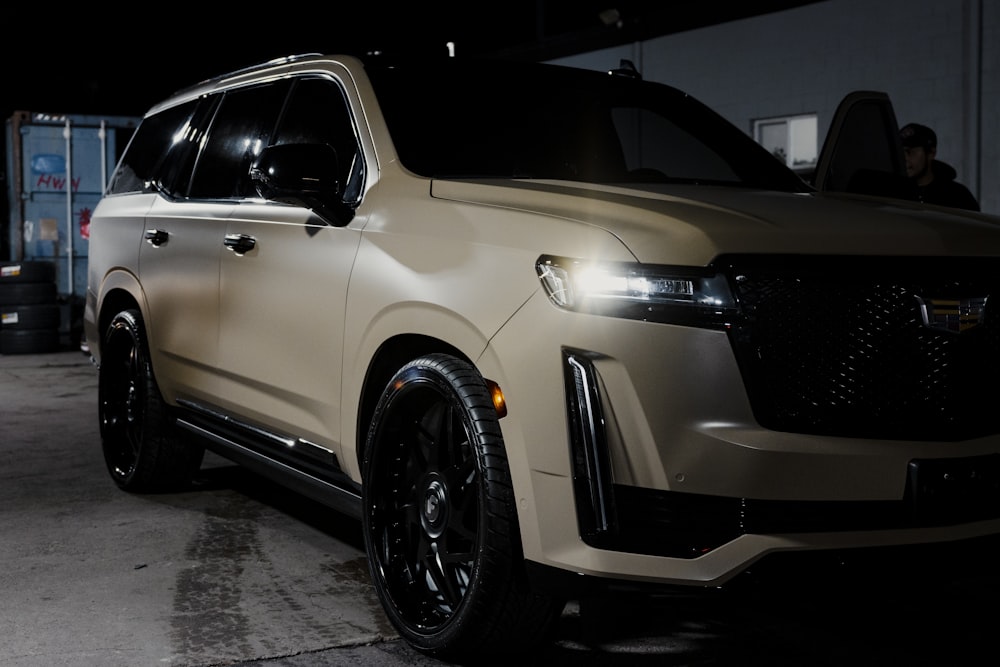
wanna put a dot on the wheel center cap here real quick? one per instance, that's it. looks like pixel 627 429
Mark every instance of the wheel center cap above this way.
pixel 435 507
pixel 432 505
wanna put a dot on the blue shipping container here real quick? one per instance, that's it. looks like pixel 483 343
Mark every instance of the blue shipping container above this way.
pixel 58 166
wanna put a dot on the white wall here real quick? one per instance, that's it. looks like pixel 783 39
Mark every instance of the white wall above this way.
pixel 939 61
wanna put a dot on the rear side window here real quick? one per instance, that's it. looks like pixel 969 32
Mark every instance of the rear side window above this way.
pixel 204 149
pixel 143 158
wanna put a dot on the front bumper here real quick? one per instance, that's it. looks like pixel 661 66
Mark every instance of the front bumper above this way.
pixel 635 455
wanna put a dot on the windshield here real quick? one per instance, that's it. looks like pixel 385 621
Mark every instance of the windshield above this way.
pixel 460 119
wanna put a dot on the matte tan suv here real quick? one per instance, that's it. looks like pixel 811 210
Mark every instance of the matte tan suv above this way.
pixel 540 328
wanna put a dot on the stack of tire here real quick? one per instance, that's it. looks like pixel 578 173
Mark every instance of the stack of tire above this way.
pixel 29 312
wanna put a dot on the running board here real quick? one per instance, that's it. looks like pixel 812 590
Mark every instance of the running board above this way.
pixel 277 458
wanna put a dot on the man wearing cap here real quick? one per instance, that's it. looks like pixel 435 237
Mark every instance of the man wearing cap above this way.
pixel 935 180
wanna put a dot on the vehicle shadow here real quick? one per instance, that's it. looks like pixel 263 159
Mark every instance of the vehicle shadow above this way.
pixel 217 476
pixel 869 610
pixel 912 607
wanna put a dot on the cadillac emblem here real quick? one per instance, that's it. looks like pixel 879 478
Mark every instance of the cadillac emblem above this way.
pixel 953 315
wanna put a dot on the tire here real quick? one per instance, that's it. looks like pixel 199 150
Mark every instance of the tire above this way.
pixel 143 448
pixel 28 341
pixel 27 293
pixel 27 272
pixel 439 518
pixel 30 316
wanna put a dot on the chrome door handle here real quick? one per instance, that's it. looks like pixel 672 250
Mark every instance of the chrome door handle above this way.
pixel 240 243
pixel 156 237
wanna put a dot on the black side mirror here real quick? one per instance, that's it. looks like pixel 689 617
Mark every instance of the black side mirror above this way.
pixel 303 175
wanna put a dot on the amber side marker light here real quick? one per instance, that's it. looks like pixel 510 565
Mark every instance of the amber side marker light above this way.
pixel 499 403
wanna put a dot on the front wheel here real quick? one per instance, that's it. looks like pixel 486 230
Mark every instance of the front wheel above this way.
pixel 440 524
pixel 143 450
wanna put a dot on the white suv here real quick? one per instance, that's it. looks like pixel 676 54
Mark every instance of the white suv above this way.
pixel 529 323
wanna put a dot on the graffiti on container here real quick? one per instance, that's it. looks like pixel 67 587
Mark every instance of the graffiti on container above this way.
pixel 85 223
pixel 46 181
pixel 47 166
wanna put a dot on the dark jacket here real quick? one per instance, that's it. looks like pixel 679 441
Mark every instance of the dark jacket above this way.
pixel 944 190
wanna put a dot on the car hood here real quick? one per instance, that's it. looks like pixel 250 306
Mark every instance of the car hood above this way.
pixel 694 224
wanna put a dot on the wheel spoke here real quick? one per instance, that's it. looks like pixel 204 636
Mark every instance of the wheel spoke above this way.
pixel 450 566
pixel 132 400
pixel 446 582
pixel 435 429
pixel 418 450
pixel 416 547
pixel 464 515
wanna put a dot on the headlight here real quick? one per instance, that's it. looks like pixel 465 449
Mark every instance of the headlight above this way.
pixel 678 295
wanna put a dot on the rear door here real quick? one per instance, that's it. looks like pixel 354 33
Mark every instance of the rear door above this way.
pixel 179 270
pixel 186 236
pixel 179 263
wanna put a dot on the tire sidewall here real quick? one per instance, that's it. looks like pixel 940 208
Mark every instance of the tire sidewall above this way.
pixel 423 373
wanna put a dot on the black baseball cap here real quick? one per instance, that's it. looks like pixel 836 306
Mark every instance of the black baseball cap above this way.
pixel 914 135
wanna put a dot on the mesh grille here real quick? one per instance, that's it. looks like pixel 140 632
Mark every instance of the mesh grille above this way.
pixel 841 347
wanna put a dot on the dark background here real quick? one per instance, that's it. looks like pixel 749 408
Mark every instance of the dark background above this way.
pixel 108 59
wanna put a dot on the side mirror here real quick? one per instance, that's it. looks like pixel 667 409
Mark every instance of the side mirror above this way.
pixel 302 175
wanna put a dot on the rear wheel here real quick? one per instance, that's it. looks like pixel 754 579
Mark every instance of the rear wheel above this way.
pixel 440 523
pixel 143 450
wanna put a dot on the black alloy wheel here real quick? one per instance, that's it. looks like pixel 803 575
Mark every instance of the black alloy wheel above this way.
pixel 142 449
pixel 440 523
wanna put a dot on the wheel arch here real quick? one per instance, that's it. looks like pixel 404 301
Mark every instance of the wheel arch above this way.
pixel 389 358
pixel 120 291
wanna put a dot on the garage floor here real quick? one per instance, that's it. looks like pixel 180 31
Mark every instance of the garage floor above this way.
pixel 239 572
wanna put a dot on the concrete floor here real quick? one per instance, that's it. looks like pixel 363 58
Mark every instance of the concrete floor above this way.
pixel 240 572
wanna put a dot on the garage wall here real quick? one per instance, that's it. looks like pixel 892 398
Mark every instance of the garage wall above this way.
pixel 939 61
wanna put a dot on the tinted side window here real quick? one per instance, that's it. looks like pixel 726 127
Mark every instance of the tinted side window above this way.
pixel 143 157
pixel 174 176
pixel 317 112
pixel 240 130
